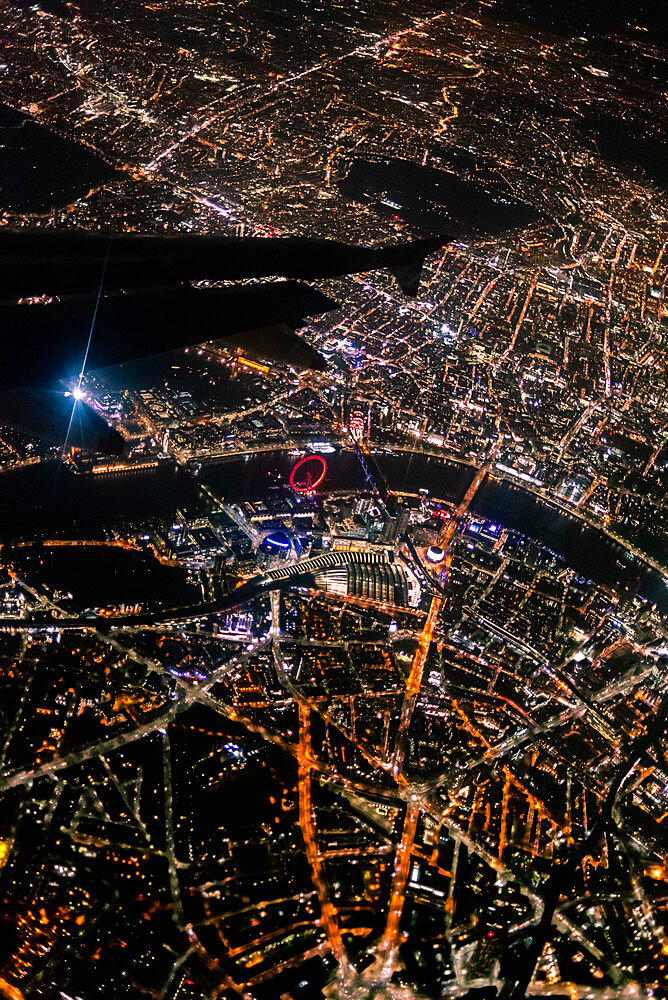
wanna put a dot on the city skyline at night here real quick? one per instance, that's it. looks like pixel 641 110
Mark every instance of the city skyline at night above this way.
pixel 333 520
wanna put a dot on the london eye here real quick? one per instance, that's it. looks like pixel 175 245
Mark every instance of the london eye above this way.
pixel 308 473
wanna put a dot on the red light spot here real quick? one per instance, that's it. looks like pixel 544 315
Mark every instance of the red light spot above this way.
pixel 311 482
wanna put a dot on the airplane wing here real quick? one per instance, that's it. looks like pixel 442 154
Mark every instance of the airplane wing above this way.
pixel 49 343
pixel 36 262
pixel 151 294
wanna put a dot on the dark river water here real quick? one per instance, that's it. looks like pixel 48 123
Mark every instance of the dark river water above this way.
pixel 39 169
pixel 50 501
pixel 99 577
pixel 435 200
pixel 588 551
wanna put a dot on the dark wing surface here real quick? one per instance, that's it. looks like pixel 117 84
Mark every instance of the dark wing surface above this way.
pixel 113 298
pixel 49 341
pixel 57 417
pixel 35 263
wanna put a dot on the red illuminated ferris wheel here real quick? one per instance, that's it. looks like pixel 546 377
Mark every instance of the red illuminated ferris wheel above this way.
pixel 308 473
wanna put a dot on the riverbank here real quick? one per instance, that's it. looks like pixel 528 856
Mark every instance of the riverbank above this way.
pixel 49 500
pixel 585 547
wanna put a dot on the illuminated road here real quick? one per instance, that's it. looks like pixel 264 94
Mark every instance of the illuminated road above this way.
pixel 413 685
pixel 328 913
pixel 389 944
pixel 169 828
pixel 518 325
pixel 10 991
pixel 577 427
pixel 608 311
pixel 113 543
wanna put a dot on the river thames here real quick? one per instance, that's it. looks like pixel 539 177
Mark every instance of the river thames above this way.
pixel 50 500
